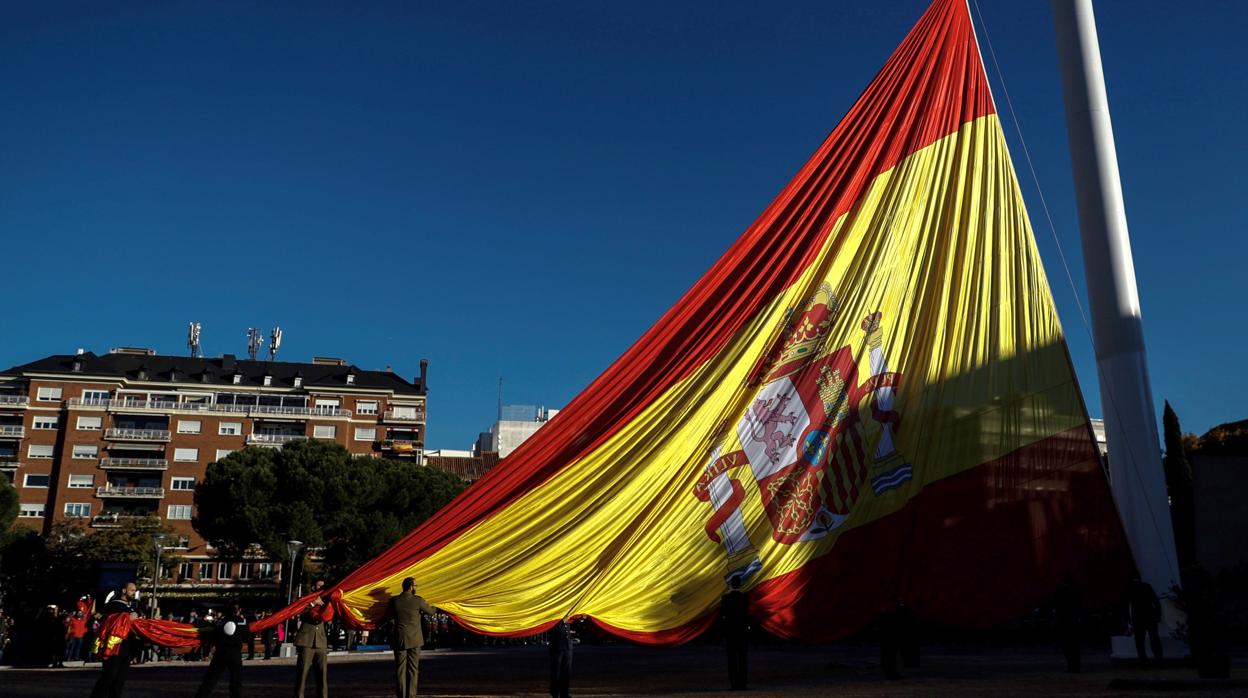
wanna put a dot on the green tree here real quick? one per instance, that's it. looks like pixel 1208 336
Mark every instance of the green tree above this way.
pixel 1179 486
pixel 8 507
pixel 60 567
pixel 316 492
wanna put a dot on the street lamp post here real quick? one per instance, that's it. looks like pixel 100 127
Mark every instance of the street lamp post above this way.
pixel 293 547
pixel 158 542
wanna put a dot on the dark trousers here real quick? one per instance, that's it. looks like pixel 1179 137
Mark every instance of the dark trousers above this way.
pixel 889 650
pixel 112 677
pixel 560 673
pixel 406 672
pixel 737 654
pixel 1069 639
pixel 1151 631
pixel 223 660
pixel 316 660
pixel 73 649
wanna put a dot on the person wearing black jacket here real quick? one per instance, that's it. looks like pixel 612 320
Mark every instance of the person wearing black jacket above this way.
pixel 1145 612
pixel 560 660
pixel 113 672
pixel 734 608
pixel 227 636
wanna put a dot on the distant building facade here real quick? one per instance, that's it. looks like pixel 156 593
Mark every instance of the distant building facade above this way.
pixel 99 438
pixel 515 425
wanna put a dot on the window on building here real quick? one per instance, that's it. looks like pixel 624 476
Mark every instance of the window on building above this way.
pixel 264 570
pixel 365 434
pixel 39 451
pixel 223 570
pixel 48 395
pixel 94 397
pixel 81 481
pixel 90 423
pixel 77 510
pixel 404 411
pixel 230 429
pixel 189 426
pixel 238 379
pixel 244 571
pixel 182 483
pixel 186 455
pixel 366 407
pixel 223 452
pixel 184 570
pixel 268 380
pixel 30 511
pixel 205 570
pixel 327 405
pixel 37 480
pixel 86 451
pixel 181 512
pixel 43 422
pixel 324 431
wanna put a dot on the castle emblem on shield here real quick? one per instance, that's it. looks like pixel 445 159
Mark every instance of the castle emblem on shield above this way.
pixel 802 438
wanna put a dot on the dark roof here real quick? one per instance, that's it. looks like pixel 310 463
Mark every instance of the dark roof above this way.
pixel 220 371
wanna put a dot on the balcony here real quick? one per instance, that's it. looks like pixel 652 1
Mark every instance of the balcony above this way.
pixel 167 406
pixel 400 446
pixel 137 435
pixel 130 492
pixel 273 439
pixel 8 431
pixel 113 519
pixel 14 401
pixel 9 461
pixel 134 463
pixel 418 416
pixel 298 411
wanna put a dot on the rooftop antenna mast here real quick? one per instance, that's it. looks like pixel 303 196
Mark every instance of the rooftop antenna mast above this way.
pixel 275 342
pixel 254 340
pixel 192 340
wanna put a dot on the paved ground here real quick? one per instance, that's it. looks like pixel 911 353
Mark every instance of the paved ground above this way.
pixel 623 670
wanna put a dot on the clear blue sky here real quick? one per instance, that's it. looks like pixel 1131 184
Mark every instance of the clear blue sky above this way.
pixel 520 189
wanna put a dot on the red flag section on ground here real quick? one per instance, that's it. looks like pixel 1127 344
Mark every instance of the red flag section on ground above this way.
pixel 116 627
pixel 866 399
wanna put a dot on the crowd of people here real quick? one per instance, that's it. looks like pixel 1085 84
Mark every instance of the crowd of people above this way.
pixel 58 635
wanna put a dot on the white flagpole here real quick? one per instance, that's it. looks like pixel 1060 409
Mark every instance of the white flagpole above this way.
pixel 1136 474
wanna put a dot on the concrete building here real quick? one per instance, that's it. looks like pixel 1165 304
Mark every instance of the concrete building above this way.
pixel 516 424
pixel 99 438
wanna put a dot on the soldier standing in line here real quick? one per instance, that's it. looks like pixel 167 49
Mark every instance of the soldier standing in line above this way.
pixel 312 651
pixel 407 637
pixel 735 611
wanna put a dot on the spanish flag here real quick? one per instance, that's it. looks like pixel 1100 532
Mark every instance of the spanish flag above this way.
pixel 867 399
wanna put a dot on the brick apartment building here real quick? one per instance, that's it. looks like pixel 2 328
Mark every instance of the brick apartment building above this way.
pixel 130 433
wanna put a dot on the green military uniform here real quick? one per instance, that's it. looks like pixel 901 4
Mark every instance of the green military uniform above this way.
pixel 406 639
pixel 312 649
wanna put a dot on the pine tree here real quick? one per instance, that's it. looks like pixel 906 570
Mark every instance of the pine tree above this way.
pixel 1179 486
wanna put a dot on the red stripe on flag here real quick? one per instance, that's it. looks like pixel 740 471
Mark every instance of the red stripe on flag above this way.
pixel 975 549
